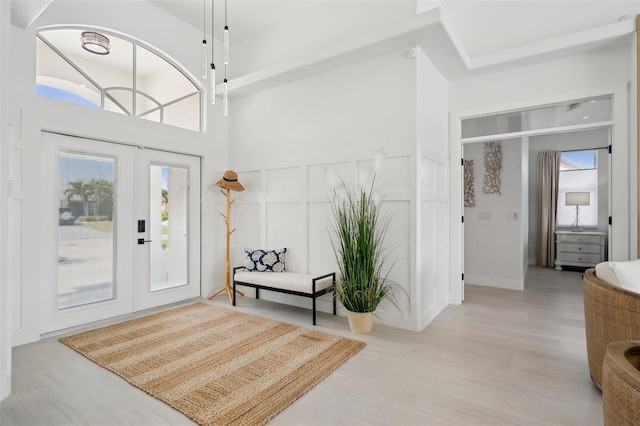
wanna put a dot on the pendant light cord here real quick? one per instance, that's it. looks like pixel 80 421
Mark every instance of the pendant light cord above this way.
pixel 226 28
pixel 213 26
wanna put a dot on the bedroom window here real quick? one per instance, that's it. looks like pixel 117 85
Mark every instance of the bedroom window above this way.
pixel 578 173
pixel 132 79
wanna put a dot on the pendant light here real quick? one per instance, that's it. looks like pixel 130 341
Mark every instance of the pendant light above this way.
pixel 225 85
pixel 226 35
pixel 212 75
pixel 225 98
pixel 204 39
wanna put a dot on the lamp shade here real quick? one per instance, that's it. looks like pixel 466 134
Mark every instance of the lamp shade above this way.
pixel 577 199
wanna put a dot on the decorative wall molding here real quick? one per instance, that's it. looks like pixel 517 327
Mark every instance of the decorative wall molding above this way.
pixel 492 167
pixel 469 190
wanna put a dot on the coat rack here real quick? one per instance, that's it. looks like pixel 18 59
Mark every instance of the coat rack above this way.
pixel 229 182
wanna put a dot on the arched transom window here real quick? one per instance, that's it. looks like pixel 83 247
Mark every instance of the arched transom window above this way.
pixel 132 78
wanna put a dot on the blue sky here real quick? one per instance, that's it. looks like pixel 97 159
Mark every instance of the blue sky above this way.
pixel 584 158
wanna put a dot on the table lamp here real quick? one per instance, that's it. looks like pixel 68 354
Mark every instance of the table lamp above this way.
pixel 577 199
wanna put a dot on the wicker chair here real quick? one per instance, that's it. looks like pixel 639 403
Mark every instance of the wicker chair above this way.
pixel 610 314
pixel 621 384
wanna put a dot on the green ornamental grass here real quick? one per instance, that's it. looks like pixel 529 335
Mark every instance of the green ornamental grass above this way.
pixel 357 237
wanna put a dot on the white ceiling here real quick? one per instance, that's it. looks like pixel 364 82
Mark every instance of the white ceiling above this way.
pixel 483 27
pixel 486 27
pixel 462 37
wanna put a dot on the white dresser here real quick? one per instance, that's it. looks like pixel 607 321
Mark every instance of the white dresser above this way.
pixel 583 249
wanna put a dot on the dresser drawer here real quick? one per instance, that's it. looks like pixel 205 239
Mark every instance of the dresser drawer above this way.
pixel 580 248
pixel 579 238
pixel 579 258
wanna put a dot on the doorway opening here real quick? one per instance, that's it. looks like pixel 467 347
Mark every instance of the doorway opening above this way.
pixel 499 229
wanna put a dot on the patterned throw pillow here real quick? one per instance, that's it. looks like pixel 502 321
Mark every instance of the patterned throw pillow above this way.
pixel 265 260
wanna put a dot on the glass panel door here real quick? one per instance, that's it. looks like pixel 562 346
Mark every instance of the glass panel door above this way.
pixel 168 238
pixel 121 227
pixel 87 201
pixel 168 222
pixel 86 227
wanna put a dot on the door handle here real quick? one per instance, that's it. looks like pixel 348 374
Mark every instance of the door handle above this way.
pixel 142 241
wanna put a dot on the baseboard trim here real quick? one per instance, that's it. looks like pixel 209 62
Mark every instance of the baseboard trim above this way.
pixel 498 282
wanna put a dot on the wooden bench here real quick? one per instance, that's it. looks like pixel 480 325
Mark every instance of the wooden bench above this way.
pixel 287 282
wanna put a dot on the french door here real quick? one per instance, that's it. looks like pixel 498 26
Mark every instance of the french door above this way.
pixel 126 234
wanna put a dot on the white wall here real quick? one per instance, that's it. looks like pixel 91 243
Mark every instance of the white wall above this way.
pixel 560 142
pixel 528 85
pixel 5 249
pixel 336 121
pixel 493 239
pixel 30 114
pixel 306 25
pixel 339 121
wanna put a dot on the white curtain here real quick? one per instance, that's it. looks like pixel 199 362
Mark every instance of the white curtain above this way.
pixel 548 177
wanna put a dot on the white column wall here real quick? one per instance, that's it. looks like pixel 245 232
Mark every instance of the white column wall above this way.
pixel 5 201
pixel 433 280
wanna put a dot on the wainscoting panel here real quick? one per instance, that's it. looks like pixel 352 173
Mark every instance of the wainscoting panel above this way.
pixel 286 227
pixel 428 170
pixel 442 251
pixel 428 250
pixel 16 223
pixel 323 177
pixel 393 173
pixel 286 181
pixel 247 219
pixel 434 237
pixel 442 180
pixel 289 206
pixel 253 186
pixel 320 256
pixel 398 248
pixel 15 270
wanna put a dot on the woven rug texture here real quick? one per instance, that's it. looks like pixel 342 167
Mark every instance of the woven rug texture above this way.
pixel 215 365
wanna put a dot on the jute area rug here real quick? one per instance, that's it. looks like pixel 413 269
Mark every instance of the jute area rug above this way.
pixel 215 365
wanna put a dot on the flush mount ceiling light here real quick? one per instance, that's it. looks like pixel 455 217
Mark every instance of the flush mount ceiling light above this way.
pixel 95 42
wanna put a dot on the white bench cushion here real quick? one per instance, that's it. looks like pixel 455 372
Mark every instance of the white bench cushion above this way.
pixel 292 281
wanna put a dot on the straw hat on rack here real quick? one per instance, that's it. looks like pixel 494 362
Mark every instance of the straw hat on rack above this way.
pixel 230 181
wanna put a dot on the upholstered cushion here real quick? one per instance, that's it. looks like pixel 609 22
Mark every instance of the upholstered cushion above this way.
pixel 605 272
pixel 628 274
pixel 286 281
pixel 265 260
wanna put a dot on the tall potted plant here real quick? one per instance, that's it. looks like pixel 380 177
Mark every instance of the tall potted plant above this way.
pixel 357 236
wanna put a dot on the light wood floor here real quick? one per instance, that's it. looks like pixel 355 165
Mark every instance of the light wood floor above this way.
pixel 503 357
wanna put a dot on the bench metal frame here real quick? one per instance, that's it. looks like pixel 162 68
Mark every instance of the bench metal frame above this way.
pixel 313 295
